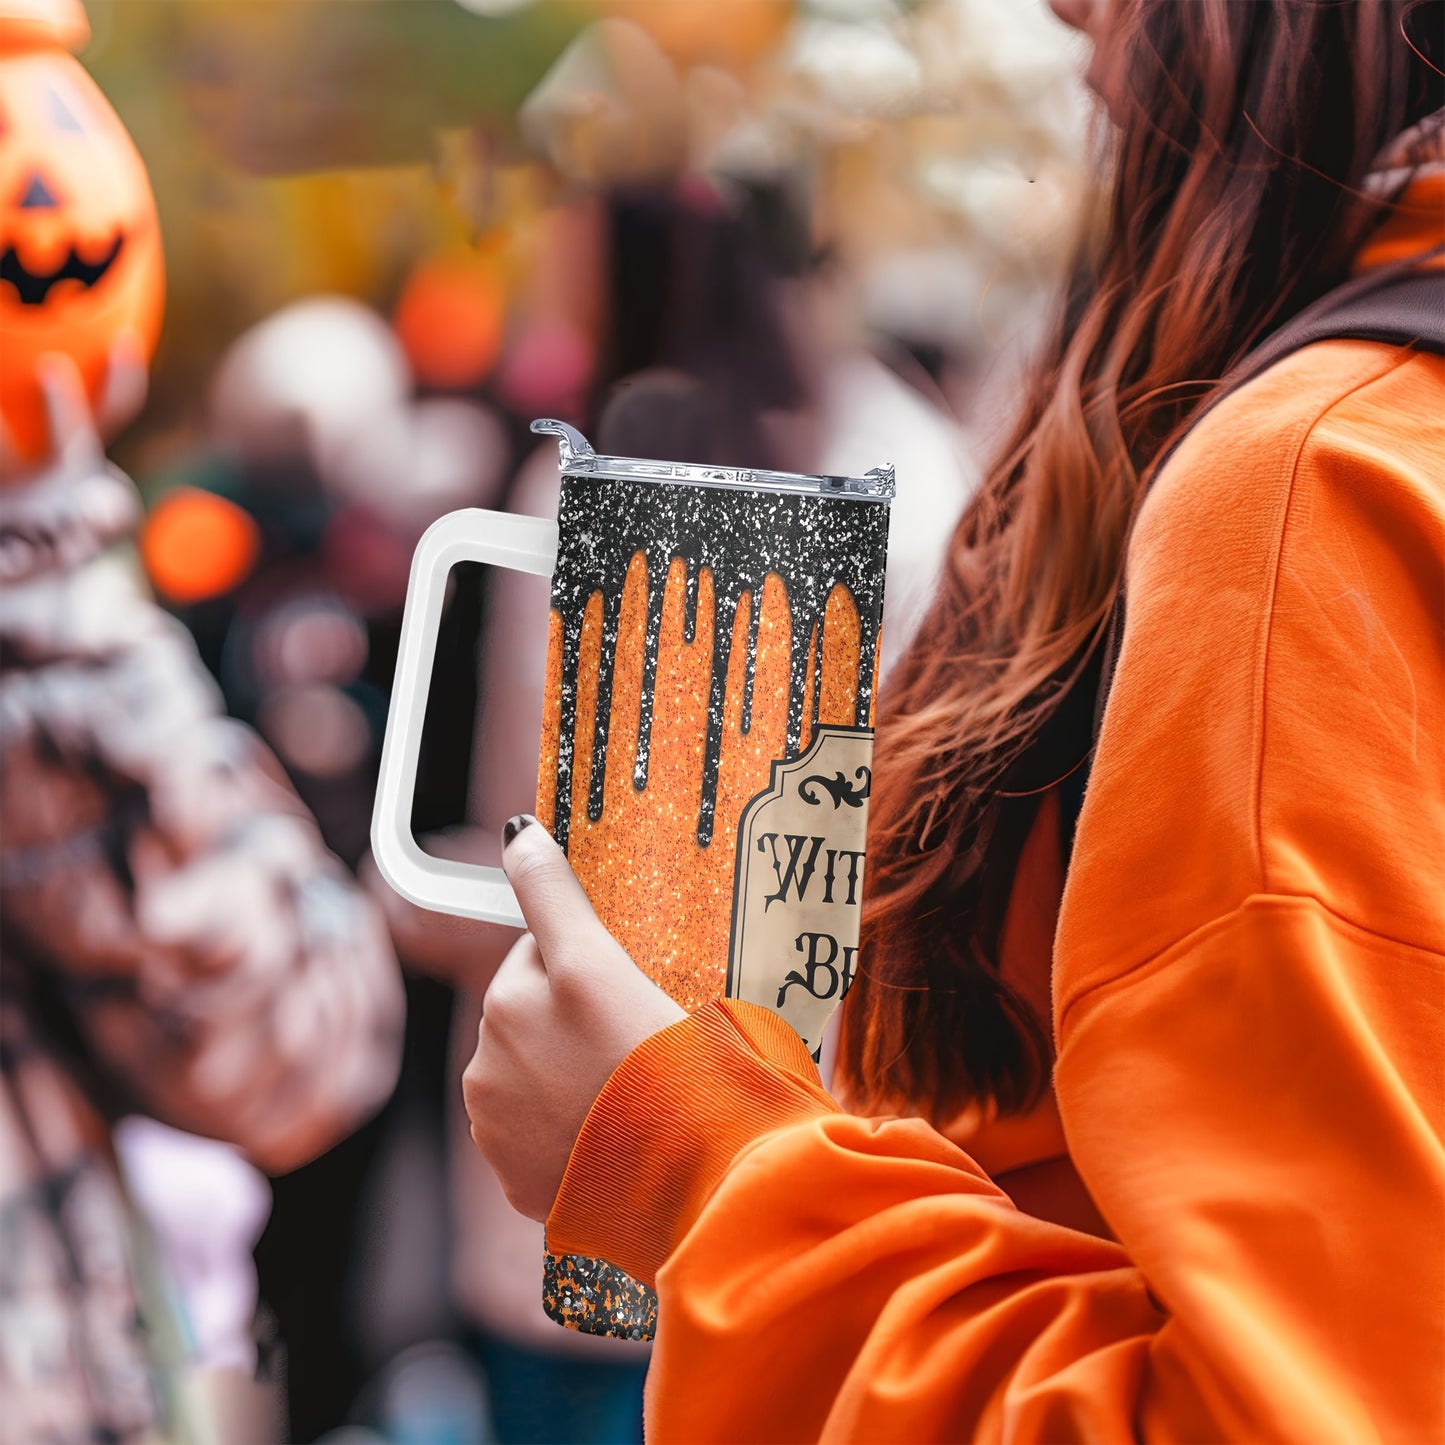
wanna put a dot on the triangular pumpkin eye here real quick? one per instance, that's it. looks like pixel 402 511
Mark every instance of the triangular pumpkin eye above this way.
pixel 61 115
pixel 37 196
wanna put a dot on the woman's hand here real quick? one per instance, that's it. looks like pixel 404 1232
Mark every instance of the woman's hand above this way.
pixel 566 1007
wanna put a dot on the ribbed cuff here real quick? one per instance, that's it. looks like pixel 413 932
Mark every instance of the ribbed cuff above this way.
pixel 662 1133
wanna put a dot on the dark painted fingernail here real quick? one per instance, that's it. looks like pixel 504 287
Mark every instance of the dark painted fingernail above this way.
pixel 513 826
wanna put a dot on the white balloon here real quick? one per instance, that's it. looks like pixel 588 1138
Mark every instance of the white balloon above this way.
pixel 305 378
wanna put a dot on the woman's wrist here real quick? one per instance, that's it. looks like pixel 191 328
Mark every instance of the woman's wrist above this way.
pixel 667 1126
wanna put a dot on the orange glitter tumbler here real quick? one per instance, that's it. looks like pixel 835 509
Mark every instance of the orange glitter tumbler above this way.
pixel 707 738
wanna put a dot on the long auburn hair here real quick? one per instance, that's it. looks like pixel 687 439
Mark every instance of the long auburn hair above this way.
pixel 1245 133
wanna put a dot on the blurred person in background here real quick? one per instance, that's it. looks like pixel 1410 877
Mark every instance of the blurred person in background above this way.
pixel 320 447
pixel 1146 1077
pixel 176 942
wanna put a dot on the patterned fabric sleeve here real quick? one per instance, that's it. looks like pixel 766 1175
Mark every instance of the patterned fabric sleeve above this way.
pixel 156 864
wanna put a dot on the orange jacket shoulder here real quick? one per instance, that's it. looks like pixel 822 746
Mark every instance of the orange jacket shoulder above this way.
pixel 1279 689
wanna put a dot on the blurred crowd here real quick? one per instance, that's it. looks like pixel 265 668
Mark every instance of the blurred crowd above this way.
pixel 807 234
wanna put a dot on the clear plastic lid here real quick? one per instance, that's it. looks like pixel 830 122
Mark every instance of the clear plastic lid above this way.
pixel 578 459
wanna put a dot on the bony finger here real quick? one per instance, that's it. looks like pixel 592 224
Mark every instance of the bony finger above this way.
pixel 126 381
pixel 67 409
pixel 558 911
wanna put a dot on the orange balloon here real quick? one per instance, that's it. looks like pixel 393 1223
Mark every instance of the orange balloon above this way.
pixel 197 545
pixel 449 320
pixel 80 248
pixel 703 32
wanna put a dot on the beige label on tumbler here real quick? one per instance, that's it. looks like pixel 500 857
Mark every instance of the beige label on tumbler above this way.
pixel 799 882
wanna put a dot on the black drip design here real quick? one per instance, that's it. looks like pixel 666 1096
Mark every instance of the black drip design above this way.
pixel 740 534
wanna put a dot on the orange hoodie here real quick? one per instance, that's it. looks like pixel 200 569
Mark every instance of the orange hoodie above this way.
pixel 1249 1009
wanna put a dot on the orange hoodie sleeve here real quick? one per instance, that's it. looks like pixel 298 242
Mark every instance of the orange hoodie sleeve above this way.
pixel 1249 1005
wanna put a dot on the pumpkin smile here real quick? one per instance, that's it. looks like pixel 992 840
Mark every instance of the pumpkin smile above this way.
pixel 33 287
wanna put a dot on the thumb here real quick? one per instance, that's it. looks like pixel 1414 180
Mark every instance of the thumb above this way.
pixel 558 912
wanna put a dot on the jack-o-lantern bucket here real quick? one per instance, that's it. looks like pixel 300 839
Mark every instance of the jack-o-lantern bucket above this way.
pixel 80 250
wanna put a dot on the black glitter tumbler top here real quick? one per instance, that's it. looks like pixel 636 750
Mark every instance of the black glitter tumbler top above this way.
pixel 812 542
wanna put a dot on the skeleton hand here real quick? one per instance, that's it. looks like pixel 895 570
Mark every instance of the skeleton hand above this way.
pixel 75 431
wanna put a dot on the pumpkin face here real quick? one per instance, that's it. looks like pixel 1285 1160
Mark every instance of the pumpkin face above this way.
pixel 80 252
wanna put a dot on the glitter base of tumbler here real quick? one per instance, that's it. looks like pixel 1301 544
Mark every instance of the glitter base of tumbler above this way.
pixel 596 1298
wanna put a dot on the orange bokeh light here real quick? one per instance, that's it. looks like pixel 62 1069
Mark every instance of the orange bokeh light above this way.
pixel 450 319
pixel 197 545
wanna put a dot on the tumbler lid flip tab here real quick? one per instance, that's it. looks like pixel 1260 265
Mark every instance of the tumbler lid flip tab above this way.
pixel 579 459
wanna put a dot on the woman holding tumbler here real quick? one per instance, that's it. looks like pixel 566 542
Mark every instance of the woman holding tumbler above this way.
pixel 1144 1050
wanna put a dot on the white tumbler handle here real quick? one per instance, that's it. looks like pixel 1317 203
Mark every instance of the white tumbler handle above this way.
pixel 523 544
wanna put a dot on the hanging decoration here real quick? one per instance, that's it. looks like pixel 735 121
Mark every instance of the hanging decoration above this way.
pixel 80 251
